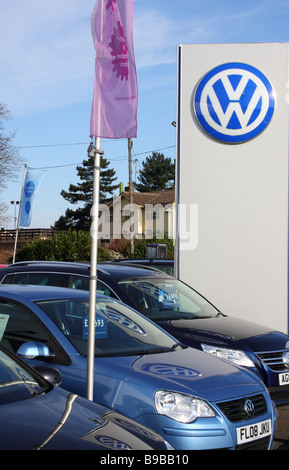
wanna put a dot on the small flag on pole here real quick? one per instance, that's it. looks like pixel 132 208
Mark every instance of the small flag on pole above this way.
pixel 31 183
pixel 115 97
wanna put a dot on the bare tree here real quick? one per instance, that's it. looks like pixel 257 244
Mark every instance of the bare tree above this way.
pixel 10 159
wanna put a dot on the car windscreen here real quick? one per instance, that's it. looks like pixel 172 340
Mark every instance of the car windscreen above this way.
pixel 119 330
pixel 16 382
pixel 166 299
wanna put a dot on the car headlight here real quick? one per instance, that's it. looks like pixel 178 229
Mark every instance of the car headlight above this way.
pixel 233 355
pixel 182 408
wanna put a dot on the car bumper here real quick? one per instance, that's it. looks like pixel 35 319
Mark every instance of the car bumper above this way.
pixel 210 433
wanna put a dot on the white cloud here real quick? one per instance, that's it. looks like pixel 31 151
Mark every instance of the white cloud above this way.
pixel 47 54
pixel 152 38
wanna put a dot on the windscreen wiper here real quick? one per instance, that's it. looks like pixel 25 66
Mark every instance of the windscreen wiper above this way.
pixel 176 346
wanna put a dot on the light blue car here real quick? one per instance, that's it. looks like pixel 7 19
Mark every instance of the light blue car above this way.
pixel 192 399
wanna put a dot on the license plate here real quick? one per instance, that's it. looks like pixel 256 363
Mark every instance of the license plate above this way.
pixel 284 378
pixel 254 431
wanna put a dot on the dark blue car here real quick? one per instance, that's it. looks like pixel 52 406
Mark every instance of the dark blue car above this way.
pixel 178 309
pixel 35 415
pixel 194 401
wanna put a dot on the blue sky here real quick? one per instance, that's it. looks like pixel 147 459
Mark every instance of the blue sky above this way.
pixel 47 72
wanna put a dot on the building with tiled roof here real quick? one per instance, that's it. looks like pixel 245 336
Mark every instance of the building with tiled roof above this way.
pixel 153 214
pixel 154 197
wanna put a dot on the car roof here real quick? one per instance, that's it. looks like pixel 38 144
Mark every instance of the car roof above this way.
pixel 32 292
pixel 151 261
pixel 115 270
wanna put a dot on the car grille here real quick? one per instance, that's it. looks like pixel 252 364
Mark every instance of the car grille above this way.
pixel 273 360
pixel 260 444
pixel 234 410
pixel 280 395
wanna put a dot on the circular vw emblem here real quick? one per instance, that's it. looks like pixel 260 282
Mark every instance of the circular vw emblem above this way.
pixel 112 443
pixel 234 102
pixel 285 358
pixel 249 407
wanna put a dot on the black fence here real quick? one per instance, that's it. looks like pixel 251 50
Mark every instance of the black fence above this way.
pixel 26 234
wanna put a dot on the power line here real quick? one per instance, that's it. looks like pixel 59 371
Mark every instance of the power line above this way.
pixel 52 145
pixel 74 164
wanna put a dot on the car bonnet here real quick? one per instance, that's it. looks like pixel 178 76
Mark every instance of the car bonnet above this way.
pixel 185 371
pixel 227 332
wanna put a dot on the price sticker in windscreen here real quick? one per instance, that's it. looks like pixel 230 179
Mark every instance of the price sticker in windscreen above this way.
pixel 100 327
pixel 169 297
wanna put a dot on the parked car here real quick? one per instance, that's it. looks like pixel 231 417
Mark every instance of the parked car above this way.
pixel 34 414
pixel 193 400
pixel 178 309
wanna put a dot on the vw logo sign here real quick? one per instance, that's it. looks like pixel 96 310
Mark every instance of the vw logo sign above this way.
pixel 249 407
pixel 234 102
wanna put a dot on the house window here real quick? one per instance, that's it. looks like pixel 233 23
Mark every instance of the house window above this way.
pixel 152 214
pixel 109 217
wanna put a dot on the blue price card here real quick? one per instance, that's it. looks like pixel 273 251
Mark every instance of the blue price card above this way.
pixel 100 327
pixel 169 297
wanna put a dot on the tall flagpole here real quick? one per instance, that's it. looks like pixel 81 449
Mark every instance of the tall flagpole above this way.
pixel 95 152
pixel 19 212
pixel 131 199
pixel 113 115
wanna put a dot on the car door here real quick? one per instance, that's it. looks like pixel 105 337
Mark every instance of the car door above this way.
pixel 20 325
pixel 77 281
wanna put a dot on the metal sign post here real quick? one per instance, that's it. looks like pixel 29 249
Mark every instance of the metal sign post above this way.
pixel 19 212
pixel 95 152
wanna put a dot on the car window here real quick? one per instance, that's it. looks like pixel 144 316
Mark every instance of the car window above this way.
pixel 77 281
pixel 37 278
pixel 47 279
pixel 20 326
pixel 167 299
pixel 118 329
pixel 165 268
pixel 15 278
pixel 103 288
pixel 16 383
pixel 82 282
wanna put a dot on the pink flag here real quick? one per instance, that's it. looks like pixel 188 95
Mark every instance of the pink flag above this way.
pixel 115 97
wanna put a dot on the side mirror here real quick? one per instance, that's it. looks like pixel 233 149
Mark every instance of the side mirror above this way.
pixel 33 349
pixel 50 374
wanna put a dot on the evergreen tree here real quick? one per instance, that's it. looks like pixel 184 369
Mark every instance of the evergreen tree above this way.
pixel 80 218
pixel 157 174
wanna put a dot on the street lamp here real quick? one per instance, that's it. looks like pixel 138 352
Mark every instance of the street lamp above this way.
pixel 91 151
pixel 15 216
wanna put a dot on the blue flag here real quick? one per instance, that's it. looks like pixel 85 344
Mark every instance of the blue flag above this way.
pixel 31 184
